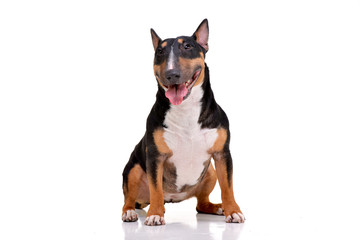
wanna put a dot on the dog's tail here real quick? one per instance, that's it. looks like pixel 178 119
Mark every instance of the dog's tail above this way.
pixel 140 205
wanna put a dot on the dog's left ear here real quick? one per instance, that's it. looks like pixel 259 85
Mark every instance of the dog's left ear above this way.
pixel 201 35
pixel 155 39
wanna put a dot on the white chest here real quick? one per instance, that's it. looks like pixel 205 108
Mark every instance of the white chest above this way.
pixel 189 143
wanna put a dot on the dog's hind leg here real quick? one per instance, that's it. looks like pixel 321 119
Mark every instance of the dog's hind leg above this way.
pixel 206 186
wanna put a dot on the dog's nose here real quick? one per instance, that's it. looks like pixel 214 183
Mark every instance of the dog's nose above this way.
pixel 172 75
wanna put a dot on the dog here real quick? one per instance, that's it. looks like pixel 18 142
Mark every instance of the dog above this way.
pixel 184 130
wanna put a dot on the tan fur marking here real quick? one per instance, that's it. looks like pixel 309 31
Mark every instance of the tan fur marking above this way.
pixel 227 194
pixel 131 192
pixel 188 66
pixel 164 44
pixel 207 185
pixel 180 40
pixel 201 78
pixel 202 55
pixel 220 141
pixel 160 142
pixel 158 71
pixel 203 191
pixel 156 193
pixel 191 64
pixel 144 192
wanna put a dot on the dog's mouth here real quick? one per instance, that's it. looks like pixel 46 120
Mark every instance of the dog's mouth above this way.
pixel 178 92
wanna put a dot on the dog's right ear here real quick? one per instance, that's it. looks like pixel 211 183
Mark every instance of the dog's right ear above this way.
pixel 155 38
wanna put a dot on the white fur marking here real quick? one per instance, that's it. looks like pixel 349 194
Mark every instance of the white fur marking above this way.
pixel 154 220
pixel 188 142
pixel 130 216
pixel 220 211
pixel 171 62
pixel 235 218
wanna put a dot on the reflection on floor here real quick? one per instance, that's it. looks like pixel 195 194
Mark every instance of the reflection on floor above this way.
pixel 183 224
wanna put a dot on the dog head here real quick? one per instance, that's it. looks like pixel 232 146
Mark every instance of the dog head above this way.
pixel 179 63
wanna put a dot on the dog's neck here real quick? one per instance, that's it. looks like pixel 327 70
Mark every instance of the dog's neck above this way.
pixel 186 115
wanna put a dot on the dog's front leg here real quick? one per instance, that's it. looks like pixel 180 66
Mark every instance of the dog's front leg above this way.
pixel 155 215
pixel 156 155
pixel 223 165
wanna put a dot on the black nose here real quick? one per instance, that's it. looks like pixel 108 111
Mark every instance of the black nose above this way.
pixel 172 75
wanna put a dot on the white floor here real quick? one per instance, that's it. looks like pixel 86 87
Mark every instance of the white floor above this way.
pixel 262 222
pixel 182 222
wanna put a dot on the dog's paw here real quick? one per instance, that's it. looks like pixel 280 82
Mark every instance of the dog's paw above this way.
pixel 130 216
pixel 235 218
pixel 210 208
pixel 220 211
pixel 154 220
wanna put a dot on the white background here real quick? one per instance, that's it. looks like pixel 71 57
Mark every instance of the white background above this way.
pixel 76 86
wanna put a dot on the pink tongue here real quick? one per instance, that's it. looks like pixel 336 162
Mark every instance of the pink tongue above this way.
pixel 176 93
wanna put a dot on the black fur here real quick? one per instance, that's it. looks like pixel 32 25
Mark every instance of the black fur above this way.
pixel 179 67
pixel 211 116
pixel 194 50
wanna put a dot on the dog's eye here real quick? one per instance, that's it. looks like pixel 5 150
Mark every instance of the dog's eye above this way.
pixel 160 51
pixel 187 46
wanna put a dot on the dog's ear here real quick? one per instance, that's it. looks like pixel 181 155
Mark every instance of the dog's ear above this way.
pixel 155 38
pixel 201 35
